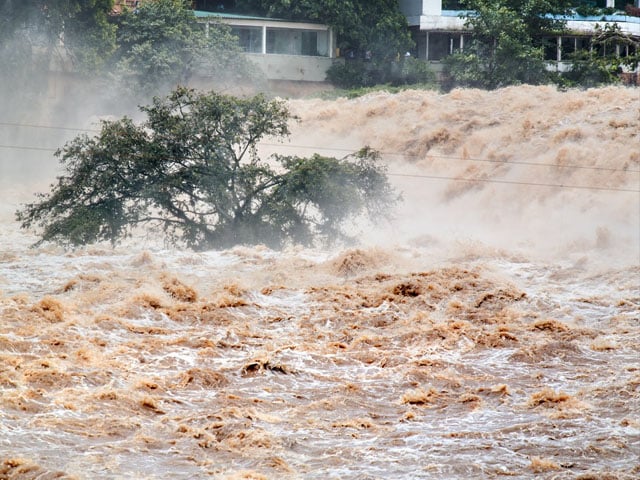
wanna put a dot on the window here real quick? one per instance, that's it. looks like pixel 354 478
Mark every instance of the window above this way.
pixel 453 5
pixel 249 38
pixel 550 45
pixel 309 43
pixel 440 45
pixel 287 41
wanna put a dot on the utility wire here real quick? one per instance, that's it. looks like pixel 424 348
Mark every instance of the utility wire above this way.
pixel 50 127
pixel 438 177
pixel 20 147
pixel 338 149
pixel 511 182
pixel 466 159
pixel 510 162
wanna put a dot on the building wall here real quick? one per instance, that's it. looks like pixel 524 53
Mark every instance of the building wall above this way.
pixel 420 7
pixel 279 48
pixel 292 67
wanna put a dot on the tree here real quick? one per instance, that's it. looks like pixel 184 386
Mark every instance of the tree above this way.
pixel 36 34
pixel 161 44
pixel 375 25
pixel 507 46
pixel 612 52
pixel 192 170
pixel 80 28
pixel 375 29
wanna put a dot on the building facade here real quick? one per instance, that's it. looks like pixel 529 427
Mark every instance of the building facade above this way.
pixel 283 50
pixel 439 30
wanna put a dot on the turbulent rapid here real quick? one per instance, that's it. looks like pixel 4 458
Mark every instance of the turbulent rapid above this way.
pixel 491 330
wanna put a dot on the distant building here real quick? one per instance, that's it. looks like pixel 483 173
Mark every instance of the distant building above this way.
pixel 284 50
pixel 438 28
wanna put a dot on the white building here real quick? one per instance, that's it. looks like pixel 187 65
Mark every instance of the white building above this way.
pixel 284 50
pixel 438 32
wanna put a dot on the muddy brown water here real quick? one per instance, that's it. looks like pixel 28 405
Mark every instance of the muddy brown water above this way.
pixel 491 331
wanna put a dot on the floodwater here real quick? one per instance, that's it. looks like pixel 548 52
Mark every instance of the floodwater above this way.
pixel 491 331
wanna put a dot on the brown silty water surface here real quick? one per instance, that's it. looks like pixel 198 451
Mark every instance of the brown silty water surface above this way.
pixel 492 330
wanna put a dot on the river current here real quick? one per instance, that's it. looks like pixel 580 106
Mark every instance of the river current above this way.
pixel 492 330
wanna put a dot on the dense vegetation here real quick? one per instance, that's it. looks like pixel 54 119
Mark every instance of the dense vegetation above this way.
pixel 507 43
pixel 192 171
pixel 161 44
pixel 373 35
pixel 509 39
pixel 134 55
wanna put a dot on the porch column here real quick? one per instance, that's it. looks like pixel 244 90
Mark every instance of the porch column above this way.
pixel 559 50
pixel 264 39
pixel 331 47
pixel 426 53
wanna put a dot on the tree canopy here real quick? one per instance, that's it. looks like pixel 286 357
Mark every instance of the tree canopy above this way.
pixel 140 53
pixel 377 26
pixel 192 170
pixel 30 43
pixel 161 44
pixel 89 37
pixel 603 64
pixel 507 46
pixel 374 33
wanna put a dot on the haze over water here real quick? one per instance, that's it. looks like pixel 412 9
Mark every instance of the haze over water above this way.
pixel 492 330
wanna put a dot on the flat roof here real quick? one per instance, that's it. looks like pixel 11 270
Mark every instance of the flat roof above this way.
pixel 235 16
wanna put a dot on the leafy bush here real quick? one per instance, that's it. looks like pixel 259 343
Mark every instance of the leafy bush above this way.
pixel 352 74
pixel 588 70
pixel 414 71
pixel 358 74
pixel 602 64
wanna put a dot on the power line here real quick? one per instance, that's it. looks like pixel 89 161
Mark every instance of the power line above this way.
pixel 511 182
pixel 339 149
pixel 466 159
pixel 438 177
pixel 50 127
pixel 20 147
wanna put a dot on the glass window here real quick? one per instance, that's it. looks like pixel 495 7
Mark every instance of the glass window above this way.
pixel 439 45
pixel 453 5
pixel 309 43
pixel 286 41
pixel 550 45
pixel 583 43
pixel 249 38
pixel 568 46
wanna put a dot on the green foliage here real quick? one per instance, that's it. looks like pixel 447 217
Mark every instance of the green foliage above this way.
pixel 601 65
pixel 590 8
pixel 89 38
pixel 30 46
pixel 191 169
pixel 374 26
pixel 414 71
pixel 22 75
pixel 504 50
pixel 358 74
pixel 353 74
pixel 161 45
pixel 361 91
pixel 89 35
